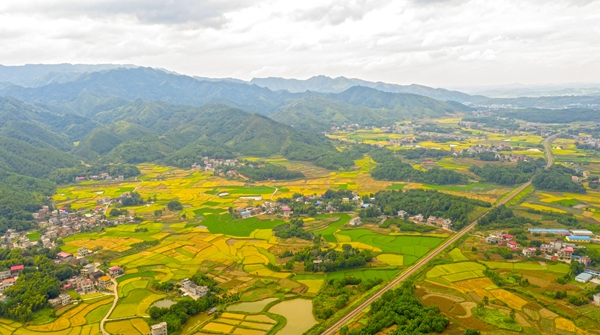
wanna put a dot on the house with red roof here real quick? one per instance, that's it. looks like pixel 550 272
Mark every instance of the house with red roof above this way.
pixel 16 268
pixel 64 257
pixel 115 271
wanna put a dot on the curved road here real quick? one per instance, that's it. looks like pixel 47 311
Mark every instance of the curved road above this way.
pixel 422 262
pixel 112 308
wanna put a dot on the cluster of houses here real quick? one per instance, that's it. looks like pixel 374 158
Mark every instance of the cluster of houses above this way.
pixel 587 140
pixel 430 221
pixel 211 164
pixel 9 277
pixel 13 240
pixel 103 176
pixel 90 278
pixel 556 250
pixel 349 127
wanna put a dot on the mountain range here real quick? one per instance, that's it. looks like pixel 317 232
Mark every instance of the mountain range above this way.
pixel 65 114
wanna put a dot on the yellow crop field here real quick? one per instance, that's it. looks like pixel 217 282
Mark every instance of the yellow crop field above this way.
pixel 391 259
pixel 542 208
pixel 473 284
pixel 509 298
pixel 260 318
pixel 564 324
pixel 236 316
pixel 244 331
pixel 122 327
pixel 218 327
pixel 314 285
pixel 140 325
pixel 262 326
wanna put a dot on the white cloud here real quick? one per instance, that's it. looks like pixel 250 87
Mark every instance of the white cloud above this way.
pixel 439 43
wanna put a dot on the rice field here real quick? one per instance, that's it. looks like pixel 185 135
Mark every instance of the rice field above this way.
pixel 411 247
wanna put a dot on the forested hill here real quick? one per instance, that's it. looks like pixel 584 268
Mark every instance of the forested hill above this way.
pixel 150 85
pixel 150 131
pixel 362 105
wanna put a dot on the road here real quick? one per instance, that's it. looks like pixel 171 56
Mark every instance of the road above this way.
pixel 276 189
pixel 416 267
pixel 548 148
pixel 112 308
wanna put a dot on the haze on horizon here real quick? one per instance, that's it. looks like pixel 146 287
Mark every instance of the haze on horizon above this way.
pixel 442 43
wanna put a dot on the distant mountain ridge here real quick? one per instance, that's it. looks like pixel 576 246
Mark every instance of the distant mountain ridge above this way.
pixel 29 74
pixel 324 84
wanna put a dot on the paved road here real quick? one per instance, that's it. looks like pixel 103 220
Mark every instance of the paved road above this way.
pixel 548 148
pixel 112 308
pixel 416 267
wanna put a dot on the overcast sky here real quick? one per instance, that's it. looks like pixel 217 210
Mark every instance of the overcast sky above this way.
pixel 443 43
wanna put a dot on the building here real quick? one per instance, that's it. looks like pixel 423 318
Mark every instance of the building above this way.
pixel 5 274
pixel 88 269
pixel 565 254
pixel 159 329
pixel 6 283
pixel 286 210
pixel 16 269
pixel 583 277
pixel 492 239
pixel 402 214
pixel 103 282
pixel 355 221
pixel 596 299
pixel 245 214
pixel 549 231
pixel 192 289
pixel 431 220
pixel 528 252
pixel 64 257
pixel 582 233
pixel 419 217
pixel 578 239
pixel 55 302
pixel 64 298
pixel 83 251
pixel 585 260
pixel 115 271
pixel 87 286
pixel 447 224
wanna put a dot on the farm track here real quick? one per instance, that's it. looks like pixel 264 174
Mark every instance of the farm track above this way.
pixel 417 266
pixel 112 308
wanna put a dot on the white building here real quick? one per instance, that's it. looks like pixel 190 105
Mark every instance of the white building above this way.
pixel 159 329
pixel 355 221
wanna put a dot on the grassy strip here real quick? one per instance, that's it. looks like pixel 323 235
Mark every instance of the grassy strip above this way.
pixel 521 196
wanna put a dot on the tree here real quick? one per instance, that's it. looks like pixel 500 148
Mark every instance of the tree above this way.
pixel 174 205
pixel 114 212
pixel 513 314
pixel 486 300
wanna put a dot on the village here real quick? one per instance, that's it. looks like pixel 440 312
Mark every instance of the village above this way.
pixel 562 249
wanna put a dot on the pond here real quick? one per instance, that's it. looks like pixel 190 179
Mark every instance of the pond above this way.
pixel 251 307
pixel 298 313
pixel 164 303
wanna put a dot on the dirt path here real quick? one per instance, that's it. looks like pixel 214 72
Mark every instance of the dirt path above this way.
pixel 276 189
pixel 112 308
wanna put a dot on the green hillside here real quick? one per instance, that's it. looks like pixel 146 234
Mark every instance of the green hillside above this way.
pixel 361 105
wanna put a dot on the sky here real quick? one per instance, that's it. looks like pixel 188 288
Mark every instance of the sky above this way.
pixel 441 43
